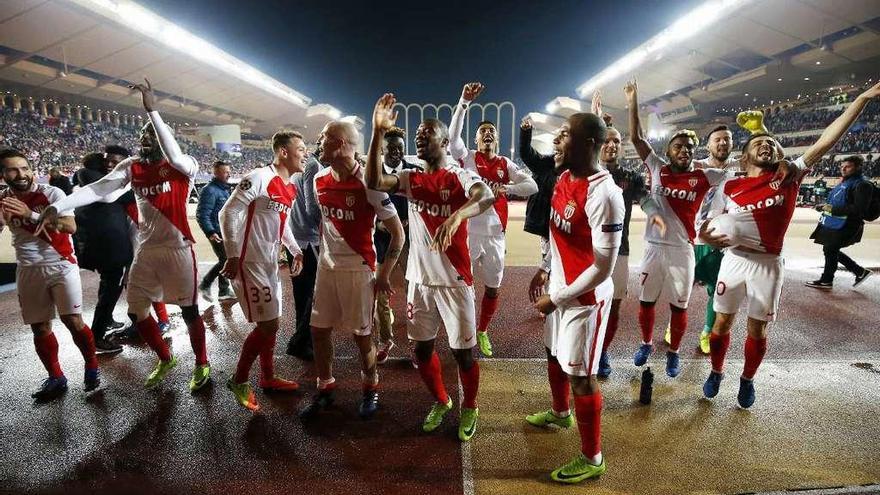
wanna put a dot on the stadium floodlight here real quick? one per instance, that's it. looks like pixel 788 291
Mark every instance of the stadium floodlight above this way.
pixel 141 20
pixel 685 27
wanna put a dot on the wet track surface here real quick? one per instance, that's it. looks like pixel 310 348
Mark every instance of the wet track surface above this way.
pixel 823 363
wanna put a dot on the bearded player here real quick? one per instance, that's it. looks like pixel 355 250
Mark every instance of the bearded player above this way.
pixel 668 262
pixel 586 225
pixel 47 277
pixel 486 231
pixel 253 223
pixel 348 280
pixel 753 269
pixel 441 199
pixel 164 266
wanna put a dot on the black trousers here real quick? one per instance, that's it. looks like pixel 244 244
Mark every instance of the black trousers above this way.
pixel 833 256
pixel 214 272
pixel 109 290
pixel 303 296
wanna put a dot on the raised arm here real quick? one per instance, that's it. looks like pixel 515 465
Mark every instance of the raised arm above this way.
pixel 838 128
pixel 536 162
pixel 457 146
pixel 97 191
pixel 184 163
pixel 635 125
pixel 384 117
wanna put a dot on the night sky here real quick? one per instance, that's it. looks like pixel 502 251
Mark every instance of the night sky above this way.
pixel 349 53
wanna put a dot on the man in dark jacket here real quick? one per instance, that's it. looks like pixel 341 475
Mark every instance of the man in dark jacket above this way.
pixel 59 180
pixel 103 245
pixel 842 224
pixel 211 199
pixel 544 172
pixel 393 162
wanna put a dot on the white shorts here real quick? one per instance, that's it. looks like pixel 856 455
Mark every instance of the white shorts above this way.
pixel 427 307
pixel 344 301
pixel 41 289
pixel 162 274
pixel 574 334
pixel 620 277
pixel 487 258
pixel 752 276
pixel 258 289
pixel 667 270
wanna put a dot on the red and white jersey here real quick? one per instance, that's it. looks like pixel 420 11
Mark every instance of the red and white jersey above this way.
pixel 496 172
pixel 678 196
pixel 49 248
pixel 161 190
pixel 763 208
pixel 584 214
pixel 434 196
pixel 348 219
pixel 253 222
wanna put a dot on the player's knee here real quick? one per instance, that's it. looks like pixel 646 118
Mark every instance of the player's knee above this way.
pixel 270 326
pixel 73 322
pixel 757 329
pixel 583 385
pixel 41 329
pixel 723 323
pixel 424 349
pixel 138 311
pixel 464 358
pixel 189 313
pixel 647 304
pixel 676 309
pixel 492 292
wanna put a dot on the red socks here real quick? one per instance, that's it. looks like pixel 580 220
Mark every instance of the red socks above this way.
pixel 718 345
pixel 559 387
pixel 197 340
pixel 678 323
pixel 755 350
pixel 488 306
pixel 149 331
pixel 47 350
pixel 433 378
pixel 646 321
pixel 588 412
pixel 470 384
pixel 161 311
pixel 85 341
pixel 267 358
pixel 610 330
pixel 254 344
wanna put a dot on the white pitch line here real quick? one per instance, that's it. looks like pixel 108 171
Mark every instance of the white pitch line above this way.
pixel 467 467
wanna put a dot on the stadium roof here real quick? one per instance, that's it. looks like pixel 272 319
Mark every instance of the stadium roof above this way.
pixel 95 48
pixel 729 53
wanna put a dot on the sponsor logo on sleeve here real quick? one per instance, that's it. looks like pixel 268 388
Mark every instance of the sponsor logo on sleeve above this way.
pixel 245 184
pixel 612 227
pixel 386 201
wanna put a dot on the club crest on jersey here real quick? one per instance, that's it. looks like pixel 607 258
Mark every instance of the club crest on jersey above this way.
pixel 163 172
pixel 692 182
pixel 500 173
pixel 569 209
pixel 444 194
pixel 349 200
pixel 775 185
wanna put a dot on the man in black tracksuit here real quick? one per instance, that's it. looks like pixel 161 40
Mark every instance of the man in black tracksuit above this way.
pixel 103 245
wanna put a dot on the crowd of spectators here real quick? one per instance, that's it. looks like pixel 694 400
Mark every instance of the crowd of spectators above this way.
pixel 51 142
